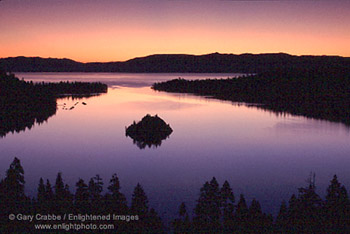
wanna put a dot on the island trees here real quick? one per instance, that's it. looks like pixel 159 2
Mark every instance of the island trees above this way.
pixel 150 131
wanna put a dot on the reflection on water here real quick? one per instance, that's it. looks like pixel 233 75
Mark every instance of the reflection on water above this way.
pixel 261 154
pixel 22 119
pixel 16 119
pixel 160 105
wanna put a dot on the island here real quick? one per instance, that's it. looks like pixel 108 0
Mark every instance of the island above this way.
pixel 150 131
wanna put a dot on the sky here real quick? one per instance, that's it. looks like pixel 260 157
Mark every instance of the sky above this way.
pixel 114 30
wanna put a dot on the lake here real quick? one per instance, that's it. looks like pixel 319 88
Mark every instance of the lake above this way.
pixel 262 155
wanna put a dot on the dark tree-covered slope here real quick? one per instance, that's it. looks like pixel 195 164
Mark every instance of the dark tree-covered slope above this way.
pixel 22 104
pixel 210 63
pixel 317 92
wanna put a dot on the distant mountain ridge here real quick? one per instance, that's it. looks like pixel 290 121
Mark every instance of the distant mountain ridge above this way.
pixel 170 63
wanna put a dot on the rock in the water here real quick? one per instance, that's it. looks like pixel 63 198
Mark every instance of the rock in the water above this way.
pixel 151 130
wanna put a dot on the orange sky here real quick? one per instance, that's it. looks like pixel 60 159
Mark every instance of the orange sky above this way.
pixel 112 30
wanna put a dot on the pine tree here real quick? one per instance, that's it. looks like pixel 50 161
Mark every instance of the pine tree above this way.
pixel 255 217
pixel 139 206
pixel 41 191
pixel 309 208
pixel 182 210
pixel 293 214
pixel 14 181
pixel 241 216
pixel 63 197
pixel 154 223
pixel 227 203
pixel 139 202
pixel 49 196
pixel 13 200
pixel 281 220
pixel 116 201
pixel 95 189
pixel 114 184
pixel 337 207
pixel 59 188
pixel 208 208
pixel 82 197
pixel 183 223
pixel 40 200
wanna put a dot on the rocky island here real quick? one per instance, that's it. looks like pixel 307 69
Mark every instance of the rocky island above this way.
pixel 151 130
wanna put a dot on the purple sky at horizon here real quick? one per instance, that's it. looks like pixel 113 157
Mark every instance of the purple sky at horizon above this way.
pixel 106 30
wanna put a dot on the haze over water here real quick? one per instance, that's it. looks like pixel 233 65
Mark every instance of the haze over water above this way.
pixel 262 155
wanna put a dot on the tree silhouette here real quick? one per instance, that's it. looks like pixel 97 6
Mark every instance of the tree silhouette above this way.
pixel 63 198
pixel 310 208
pixel 13 200
pixel 14 181
pixel 139 206
pixel 154 223
pixel 258 221
pixel 95 189
pixel 228 205
pixel 49 195
pixel 59 187
pixel 182 210
pixel 241 217
pixel 282 218
pixel 139 202
pixel 337 207
pixel 208 208
pixel 3 207
pixel 82 197
pixel 293 211
pixel 183 223
pixel 116 201
pixel 215 211
pixel 41 206
pixel 41 191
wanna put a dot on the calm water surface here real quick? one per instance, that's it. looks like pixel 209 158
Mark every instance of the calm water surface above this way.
pixel 262 155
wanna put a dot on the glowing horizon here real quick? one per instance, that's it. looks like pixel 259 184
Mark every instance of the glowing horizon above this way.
pixel 106 30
